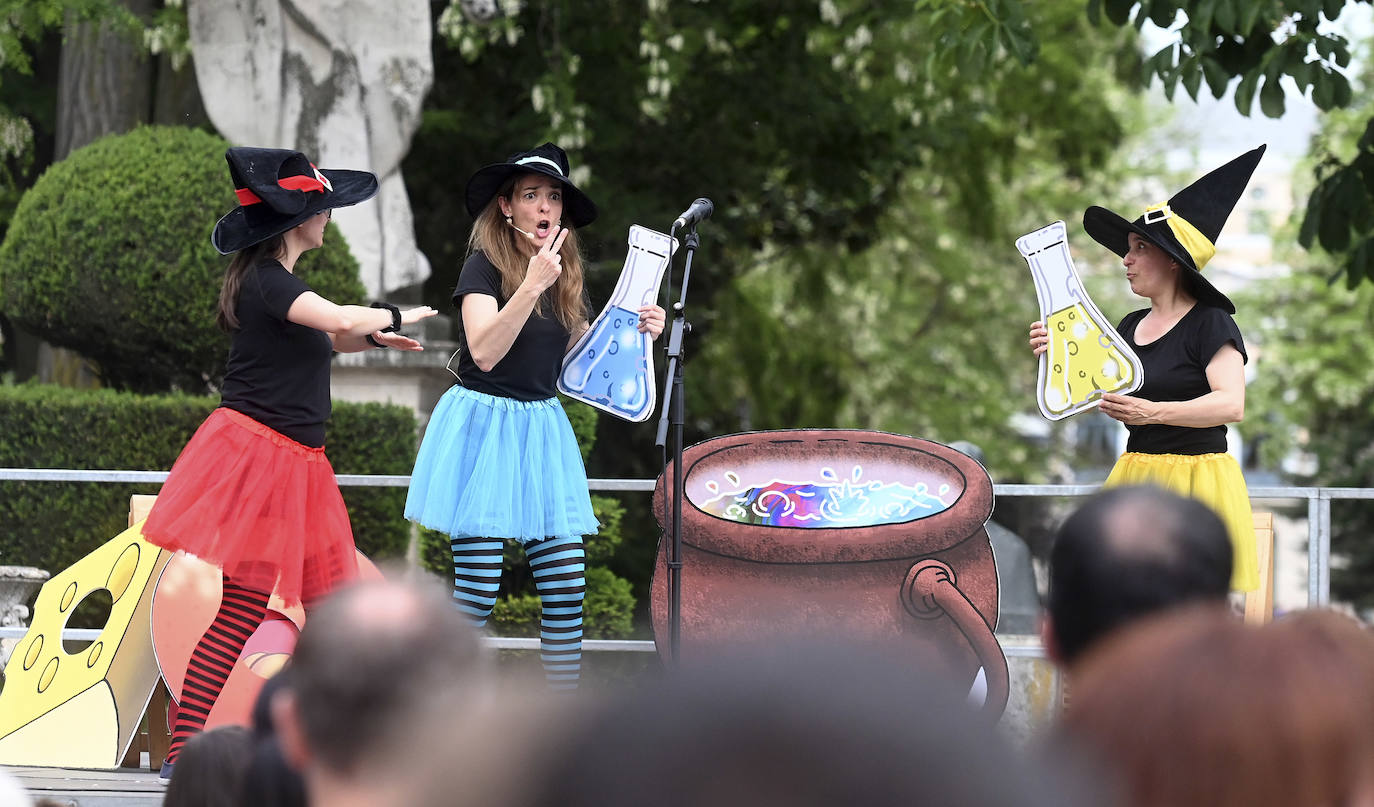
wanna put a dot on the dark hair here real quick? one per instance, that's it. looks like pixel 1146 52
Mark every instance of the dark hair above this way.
pixel 369 659
pixel 1196 709
pixel 1128 552
pixel 801 727
pixel 243 260
pixel 261 718
pixel 270 781
pixel 210 769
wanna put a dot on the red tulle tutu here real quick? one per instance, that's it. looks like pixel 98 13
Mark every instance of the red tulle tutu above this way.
pixel 264 508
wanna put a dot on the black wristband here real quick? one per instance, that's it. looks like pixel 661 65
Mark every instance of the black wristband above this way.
pixel 374 342
pixel 395 316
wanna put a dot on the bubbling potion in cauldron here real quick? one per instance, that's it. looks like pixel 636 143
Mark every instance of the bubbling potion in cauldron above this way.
pixel 859 534
pixel 827 502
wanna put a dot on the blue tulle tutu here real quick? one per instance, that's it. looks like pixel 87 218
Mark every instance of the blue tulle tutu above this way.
pixel 496 467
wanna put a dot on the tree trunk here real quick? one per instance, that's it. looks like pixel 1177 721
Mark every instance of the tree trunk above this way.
pixel 105 84
pixel 176 95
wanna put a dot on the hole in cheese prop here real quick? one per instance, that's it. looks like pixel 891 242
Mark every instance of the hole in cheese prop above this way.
pixel 82 709
pixel 1086 356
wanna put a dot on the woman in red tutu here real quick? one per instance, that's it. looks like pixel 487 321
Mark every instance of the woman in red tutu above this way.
pixel 252 492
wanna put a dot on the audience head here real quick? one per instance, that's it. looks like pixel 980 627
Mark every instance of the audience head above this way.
pixel 1195 709
pixel 270 781
pixel 1126 553
pixel 210 770
pixel 370 660
pixel 837 725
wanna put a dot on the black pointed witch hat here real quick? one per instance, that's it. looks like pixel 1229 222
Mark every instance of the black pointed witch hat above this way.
pixel 278 189
pixel 1186 226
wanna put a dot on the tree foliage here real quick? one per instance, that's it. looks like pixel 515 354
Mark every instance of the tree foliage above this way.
pixel 23 24
pixel 1316 395
pixel 871 165
pixel 109 254
pixel 29 41
pixel 1261 44
pixel 1314 398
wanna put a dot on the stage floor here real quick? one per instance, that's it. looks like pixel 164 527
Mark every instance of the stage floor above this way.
pixel 81 787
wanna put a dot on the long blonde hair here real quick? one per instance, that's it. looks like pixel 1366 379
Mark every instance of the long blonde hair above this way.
pixel 501 244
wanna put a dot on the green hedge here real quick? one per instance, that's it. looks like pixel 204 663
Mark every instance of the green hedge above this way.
pixel 109 254
pixel 52 524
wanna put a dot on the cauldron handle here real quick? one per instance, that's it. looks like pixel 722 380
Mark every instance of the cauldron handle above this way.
pixel 930 590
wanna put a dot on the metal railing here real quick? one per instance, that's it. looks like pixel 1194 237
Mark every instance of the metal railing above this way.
pixel 1318 523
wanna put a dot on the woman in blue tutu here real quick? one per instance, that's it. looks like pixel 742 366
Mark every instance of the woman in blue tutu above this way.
pixel 499 460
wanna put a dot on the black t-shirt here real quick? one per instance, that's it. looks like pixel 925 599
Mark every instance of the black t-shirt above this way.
pixel 529 370
pixel 278 371
pixel 1176 370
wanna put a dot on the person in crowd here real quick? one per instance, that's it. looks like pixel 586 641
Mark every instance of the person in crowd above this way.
pixel 825 723
pixel 253 492
pixel 269 780
pixel 210 772
pixel 499 461
pixel 1196 709
pixel 1127 553
pixel 1192 352
pixel 373 661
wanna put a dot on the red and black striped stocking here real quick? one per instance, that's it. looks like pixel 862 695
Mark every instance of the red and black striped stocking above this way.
pixel 241 611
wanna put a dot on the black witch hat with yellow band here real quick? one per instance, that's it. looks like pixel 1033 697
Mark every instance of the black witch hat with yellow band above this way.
pixel 1186 226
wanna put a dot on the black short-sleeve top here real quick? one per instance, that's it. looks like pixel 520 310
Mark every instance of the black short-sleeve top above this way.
pixel 529 370
pixel 278 371
pixel 1176 370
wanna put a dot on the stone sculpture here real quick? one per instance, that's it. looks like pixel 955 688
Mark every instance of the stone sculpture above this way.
pixel 342 80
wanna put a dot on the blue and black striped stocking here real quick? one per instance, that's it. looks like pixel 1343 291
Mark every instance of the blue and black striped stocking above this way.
pixel 558 567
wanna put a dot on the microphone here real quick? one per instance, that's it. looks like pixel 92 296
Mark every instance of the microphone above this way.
pixel 700 210
pixel 525 233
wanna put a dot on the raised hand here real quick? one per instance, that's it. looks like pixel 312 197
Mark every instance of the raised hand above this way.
pixel 545 266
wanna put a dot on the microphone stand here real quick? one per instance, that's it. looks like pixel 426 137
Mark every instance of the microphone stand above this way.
pixel 673 416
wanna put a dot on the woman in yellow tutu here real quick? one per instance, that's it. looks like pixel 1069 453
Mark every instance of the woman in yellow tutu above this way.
pixel 1193 354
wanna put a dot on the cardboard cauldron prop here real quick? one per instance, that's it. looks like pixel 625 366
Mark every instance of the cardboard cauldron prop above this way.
pixel 857 533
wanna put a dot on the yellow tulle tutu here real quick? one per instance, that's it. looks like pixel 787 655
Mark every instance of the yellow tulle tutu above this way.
pixel 1213 479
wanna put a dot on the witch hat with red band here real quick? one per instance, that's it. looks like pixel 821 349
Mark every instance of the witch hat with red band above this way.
pixel 277 190
pixel 1186 226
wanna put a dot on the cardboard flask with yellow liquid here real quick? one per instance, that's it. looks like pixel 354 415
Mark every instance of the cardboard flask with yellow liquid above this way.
pixel 1086 357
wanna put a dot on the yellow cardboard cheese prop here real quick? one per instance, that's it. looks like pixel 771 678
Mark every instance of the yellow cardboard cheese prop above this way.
pixel 82 709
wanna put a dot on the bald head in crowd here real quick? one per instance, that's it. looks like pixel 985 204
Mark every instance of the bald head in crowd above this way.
pixel 1126 553
pixel 370 661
